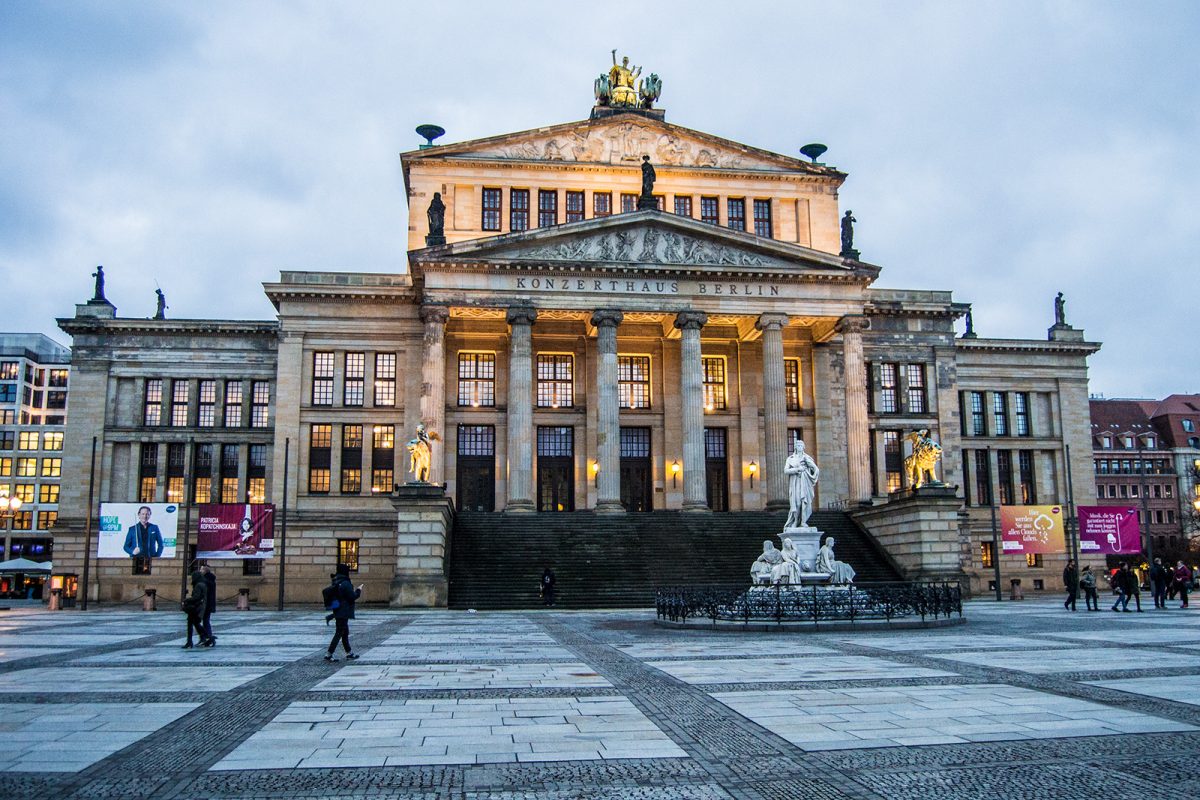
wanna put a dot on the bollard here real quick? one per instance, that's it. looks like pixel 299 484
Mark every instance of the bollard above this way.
pixel 55 600
pixel 150 600
pixel 243 603
pixel 1015 592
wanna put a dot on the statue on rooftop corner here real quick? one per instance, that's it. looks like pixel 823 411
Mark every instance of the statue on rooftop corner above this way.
pixel 420 453
pixel 925 455
pixel 437 221
pixel 1060 310
pixel 848 221
pixel 99 297
pixel 161 311
pixel 802 476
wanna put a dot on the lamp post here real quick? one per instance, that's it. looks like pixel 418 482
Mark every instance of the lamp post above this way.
pixel 753 468
pixel 8 507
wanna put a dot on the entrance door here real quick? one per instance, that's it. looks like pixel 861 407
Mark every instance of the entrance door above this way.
pixel 716 469
pixel 635 469
pixel 556 468
pixel 476 468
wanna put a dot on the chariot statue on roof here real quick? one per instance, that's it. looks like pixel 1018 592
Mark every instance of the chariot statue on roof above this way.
pixel 623 87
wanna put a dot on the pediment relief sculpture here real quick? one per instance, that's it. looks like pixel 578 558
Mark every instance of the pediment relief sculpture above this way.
pixel 650 245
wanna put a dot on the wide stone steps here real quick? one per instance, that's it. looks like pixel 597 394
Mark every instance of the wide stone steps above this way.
pixel 616 561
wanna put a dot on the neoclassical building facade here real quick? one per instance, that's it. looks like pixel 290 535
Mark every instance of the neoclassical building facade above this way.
pixel 575 350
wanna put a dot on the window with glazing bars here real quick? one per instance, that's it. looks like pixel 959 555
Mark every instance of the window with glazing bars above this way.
pixel 635 442
pixel 983 479
pixel 736 206
pixel 791 383
pixel 385 380
pixel 916 388
pixel 714 443
pixel 202 474
pixel 383 458
pixel 352 447
pixel 978 418
pixel 1004 472
pixel 1021 413
pixel 547 208
pixel 1025 467
pixel 477 379
pixel 256 474
pixel 893 461
pixel 888 400
pixel 179 404
pixel 554 440
pixel 574 206
pixel 628 202
pixel 206 416
pixel 260 402
pixel 476 440
pixel 348 553
pixel 518 210
pixel 683 205
pixel 714 383
pixel 986 554
pixel 322 385
pixel 176 466
pixel 153 404
pixel 710 210
pixel 555 380
pixel 229 473
pixel 1000 413
pixel 762 218
pixel 233 402
pixel 602 204
pixel 633 381
pixel 147 472
pixel 491 210
pixel 352 387
pixel 792 436
pixel 319 446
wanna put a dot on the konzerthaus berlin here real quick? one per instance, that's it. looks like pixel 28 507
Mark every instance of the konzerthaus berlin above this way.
pixel 575 352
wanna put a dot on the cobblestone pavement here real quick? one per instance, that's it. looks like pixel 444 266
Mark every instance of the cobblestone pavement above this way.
pixel 1025 700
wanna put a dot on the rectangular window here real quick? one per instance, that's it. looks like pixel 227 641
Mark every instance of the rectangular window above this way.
pixel 229 473
pixel 986 554
pixel 791 382
pixel 633 381
pixel 179 404
pixel 476 440
pixel 233 403
pixel 252 567
pixel 916 388
pixel 978 418
pixel 352 447
pixel 352 387
pixel 176 467
pixel 1033 559
pixel 383 459
pixel 983 479
pixel 207 410
pixel 22 521
pixel 555 441
pixel 714 384
pixel 574 206
pixel 6 465
pixel 762 218
pixel 56 399
pixel 57 379
pixel 628 202
pixel 385 380
pixel 547 208
pixel 9 371
pixel 888 390
pixel 28 440
pixel 8 393
pixel 602 204
pixel 320 445
pixel 1025 466
pixel 348 553
pixel 52 441
pixel 491 210
pixel 1004 472
pixel 202 472
pixel 518 210
pixel 893 460
pixel 153 405
pixel 47 520
pixel 24 492
pixel 477 379
pixel 26 467
pixel 1000 413
pixel 7 440
pixel 147 473
pixel 736 206
pixel 256 474
pixel 709 210
pixel 683 205
pixel 322 385
pixel 555 380
pixel 260 404
pixel 1021 413
pixel 48 493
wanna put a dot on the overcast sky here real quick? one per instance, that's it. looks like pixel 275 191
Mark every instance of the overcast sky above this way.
pixel 1005 151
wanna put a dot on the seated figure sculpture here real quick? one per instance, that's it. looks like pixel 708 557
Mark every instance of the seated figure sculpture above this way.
pixel 760 570
pixel 839 571
pixel 787 571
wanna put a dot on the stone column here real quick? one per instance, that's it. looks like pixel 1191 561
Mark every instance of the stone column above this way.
pixel 691 380
pixel 608 436
pixel 433 386
pixel 774 409
pixel 858 448
pixel 520 410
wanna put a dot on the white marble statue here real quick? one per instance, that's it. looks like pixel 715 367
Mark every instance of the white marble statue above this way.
pixel 760 570
pixel 787 571
pixel 839 571
pixel 802 474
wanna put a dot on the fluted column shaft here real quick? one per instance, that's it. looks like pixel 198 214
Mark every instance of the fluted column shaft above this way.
pixel 858 448
pixel 774 408
pixel 433 385
pixel 608 420
pixel 691 380
pixel 520 410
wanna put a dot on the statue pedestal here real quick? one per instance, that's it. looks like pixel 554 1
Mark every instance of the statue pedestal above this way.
pixel 424 517
pixel 807 541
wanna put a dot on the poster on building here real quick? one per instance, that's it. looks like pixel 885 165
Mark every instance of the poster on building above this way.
pixel 137 530
pixel 1032 529
pixel 236 530
pixel 1105 530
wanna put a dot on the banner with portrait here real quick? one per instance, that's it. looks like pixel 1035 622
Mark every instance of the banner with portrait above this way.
pixel 236 531
pixel 1109 530
pixel 137 530
pixel 1032 529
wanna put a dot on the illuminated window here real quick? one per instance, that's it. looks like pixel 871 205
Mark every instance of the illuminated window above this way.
pixel 714 384
pixel 229 473
pixel 1033 559
pixel 633 381
pixel 791 382
pixel 601 204
pixel 47 520
pixel 320 445
pixel 22 521
pixel 322 385
pixel 6 465
pixel 24 492
pixel 153 405
pixel 207 409
pixel 383 458
pixel 26 467
pixel 352 389
pixel 57 378
pixel 52 441
pixel 256 474
pixel 9 371
pixel 352 447
pixel 28 440
pixel 233 404
pixel 477 379
pixel 491 210
pixel 179 404
pixel 555 380
pixel 348 553
pixel 893 460
pixel 48 493
pixel 518 210
pixel 385 380
pixel 986 554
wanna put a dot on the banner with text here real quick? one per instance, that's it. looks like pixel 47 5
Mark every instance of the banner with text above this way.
pixel 236 530
pixel 1105 530
pixel 137 530
pixel 1032 529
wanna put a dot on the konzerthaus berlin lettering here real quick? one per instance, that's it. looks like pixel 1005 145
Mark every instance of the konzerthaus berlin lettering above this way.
pixel 583 329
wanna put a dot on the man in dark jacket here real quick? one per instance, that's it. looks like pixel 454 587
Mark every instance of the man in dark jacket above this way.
pixel 210 582
pixel 1071 581
pixel 194 605
pixel 346 595
pixel 1159 578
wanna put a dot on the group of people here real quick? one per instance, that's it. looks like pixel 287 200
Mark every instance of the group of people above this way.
pixel 1165 583
pixel 199 607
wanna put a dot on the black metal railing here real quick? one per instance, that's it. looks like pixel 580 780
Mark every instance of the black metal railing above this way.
pixel 866 601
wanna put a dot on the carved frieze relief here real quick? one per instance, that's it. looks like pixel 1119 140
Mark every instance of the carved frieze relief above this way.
pixel 647 246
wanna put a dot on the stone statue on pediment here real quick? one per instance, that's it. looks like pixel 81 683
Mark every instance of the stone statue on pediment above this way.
pixel 98 296
pixel 437 221
pixel 161 310
pixel 1060 310
pixel 848 221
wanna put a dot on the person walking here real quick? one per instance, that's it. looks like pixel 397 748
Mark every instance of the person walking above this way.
pixel 1134 588
pixel 1184 576
pixel 346 594
pixel 210 606
pixel 1088 582
pixel 1160 578
pixel 1120 584
pixel 194 605
pixel 547 587
pixel 1071 582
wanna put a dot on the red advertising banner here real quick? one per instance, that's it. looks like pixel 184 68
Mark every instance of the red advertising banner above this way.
pixel 1032 529
pixel 236 530
pixel 1107 530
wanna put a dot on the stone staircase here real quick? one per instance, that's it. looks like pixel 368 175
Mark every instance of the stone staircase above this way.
pixel 616 561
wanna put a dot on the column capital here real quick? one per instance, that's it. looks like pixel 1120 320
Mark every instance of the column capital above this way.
pixel 853 323
pixel 432 313
pixel 771 321
pixel 522 315
pixel 690 320
pixel 607 318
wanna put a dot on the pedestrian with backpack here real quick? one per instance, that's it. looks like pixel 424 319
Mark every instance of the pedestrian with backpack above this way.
pixel 329 597
pixel 194 605
pixel 345 594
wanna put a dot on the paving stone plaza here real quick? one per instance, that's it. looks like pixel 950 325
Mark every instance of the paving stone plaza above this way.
pixel 1024 700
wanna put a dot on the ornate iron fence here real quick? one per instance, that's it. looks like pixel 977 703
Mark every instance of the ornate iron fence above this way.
pixel 864 601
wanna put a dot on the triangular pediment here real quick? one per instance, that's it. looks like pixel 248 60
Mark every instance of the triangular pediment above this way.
pixel 647 239
pixel 622 140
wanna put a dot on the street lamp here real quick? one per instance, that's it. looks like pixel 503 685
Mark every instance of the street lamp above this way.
pixel 753 470
pixel 675 473
pixel 8 506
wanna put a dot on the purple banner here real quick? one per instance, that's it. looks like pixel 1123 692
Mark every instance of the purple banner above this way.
pixel 1105 530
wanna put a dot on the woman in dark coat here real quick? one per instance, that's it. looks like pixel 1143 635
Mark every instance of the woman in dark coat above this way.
pixel 194 605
